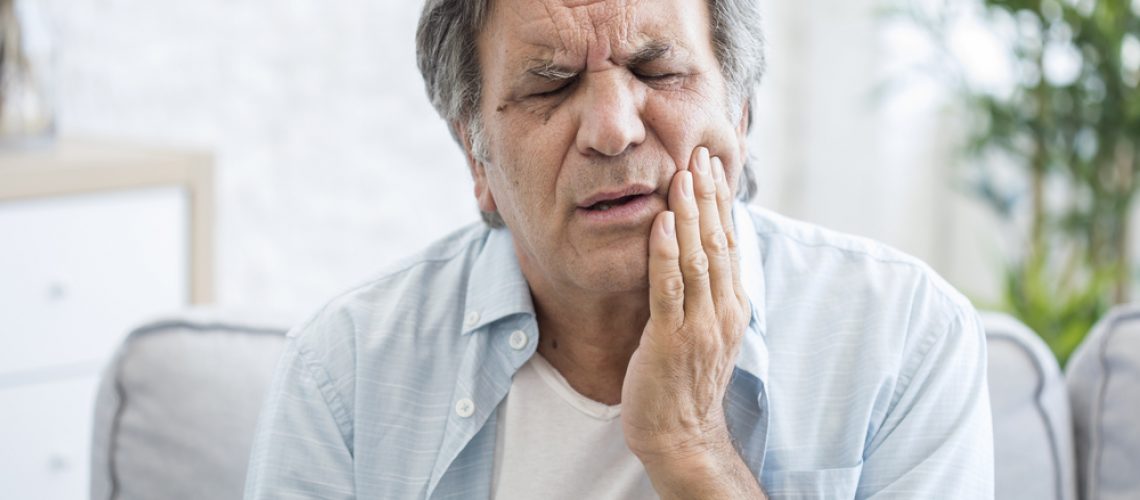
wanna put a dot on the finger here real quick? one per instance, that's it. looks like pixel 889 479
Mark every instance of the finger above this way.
pixel 692 259
pixel 725 203
pixel 666 284
pixel 713 237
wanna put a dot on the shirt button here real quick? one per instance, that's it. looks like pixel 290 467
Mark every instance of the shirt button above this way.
pixel 465 407
pixel 518 340
pixel 472 318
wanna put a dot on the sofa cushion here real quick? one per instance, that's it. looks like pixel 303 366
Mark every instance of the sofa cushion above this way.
pixel 1104 386
pixel 177 407
pixel 1033 442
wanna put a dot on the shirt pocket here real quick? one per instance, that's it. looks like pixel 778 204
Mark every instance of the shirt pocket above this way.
pixel 839 483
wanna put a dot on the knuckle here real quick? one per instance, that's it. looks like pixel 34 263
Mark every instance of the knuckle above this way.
pixel 666 252
pixel 731 331
pixel 696 263
pixel 738 321
pixel 723 195
pixel 668 307
pixel 745 307
pixel 716 242
pixel 733 334
pixel 707 193
pixel 688 215
pixel 671 287
pixel 729 237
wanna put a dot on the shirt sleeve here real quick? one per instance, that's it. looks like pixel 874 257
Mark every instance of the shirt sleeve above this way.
pixel 937 439
pixel 301 448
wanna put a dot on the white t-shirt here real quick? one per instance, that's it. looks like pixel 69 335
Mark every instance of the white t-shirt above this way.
pixel 553 443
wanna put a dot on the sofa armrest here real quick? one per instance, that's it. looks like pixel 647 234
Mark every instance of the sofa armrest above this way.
pixel 1104 386
pixel 177 407
pixel 1033 440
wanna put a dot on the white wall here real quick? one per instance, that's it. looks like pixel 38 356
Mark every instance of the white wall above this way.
pixel 838 153
pixel 332 163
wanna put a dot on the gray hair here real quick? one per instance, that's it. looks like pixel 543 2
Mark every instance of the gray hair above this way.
pixel 448 58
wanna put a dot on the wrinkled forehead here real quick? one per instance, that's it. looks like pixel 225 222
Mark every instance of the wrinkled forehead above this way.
pixel 592 32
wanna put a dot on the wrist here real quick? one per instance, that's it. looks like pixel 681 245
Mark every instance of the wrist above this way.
pixel 696 436
pixel 684 451
pixel 692 468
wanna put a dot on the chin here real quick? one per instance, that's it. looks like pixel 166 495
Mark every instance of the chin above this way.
pixel 614 272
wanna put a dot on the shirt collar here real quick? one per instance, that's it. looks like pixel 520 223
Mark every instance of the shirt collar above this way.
pixel 753 357
pixel 496 288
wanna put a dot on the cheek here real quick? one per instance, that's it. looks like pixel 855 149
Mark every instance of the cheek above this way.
pixel 524 178
pixel 684 124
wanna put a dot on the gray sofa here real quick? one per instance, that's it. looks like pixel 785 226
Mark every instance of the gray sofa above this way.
pixel 1104 388
pixel 1034 455
pixel 178 405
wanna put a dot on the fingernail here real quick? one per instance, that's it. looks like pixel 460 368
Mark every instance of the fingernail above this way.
pixel 718 169
pixel 687 184
pixel 669 224
pixel 703 160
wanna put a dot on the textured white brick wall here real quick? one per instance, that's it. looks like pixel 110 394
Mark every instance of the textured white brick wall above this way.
pixel 331 163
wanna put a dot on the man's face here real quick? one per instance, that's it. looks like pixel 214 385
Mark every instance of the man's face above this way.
pixel 589 109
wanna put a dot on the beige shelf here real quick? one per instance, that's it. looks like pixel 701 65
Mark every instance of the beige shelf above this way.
pixel 76 166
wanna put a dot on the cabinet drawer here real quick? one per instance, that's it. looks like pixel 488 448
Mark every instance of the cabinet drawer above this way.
pixel 45 439
pixel 77 272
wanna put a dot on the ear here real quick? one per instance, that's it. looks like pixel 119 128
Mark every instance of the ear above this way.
pixel 483 196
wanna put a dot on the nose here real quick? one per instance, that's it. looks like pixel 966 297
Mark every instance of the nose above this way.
pixel 610 117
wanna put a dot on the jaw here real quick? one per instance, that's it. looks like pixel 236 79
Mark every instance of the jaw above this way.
pixel 607 265
pixel 583 263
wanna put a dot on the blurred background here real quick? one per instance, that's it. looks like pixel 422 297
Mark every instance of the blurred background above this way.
pixel 267 155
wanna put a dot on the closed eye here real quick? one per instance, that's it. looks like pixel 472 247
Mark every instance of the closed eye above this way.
pixel 551 93
pixel 660 78
pixel 566 84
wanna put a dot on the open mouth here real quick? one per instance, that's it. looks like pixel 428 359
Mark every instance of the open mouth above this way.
pixel 604 205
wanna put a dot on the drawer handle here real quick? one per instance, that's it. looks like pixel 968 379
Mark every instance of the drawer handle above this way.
pixel 58 463
pixel 56 291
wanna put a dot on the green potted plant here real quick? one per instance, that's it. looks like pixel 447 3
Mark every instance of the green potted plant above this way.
pixel 1069 124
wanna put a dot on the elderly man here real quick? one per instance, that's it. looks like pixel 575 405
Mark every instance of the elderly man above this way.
pixel 618 327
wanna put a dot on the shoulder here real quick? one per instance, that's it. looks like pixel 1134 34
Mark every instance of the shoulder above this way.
pixel 799 253
pixel 855 329
pixel 853 296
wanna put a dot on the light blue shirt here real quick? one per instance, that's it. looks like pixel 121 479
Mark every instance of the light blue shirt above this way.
pixel 862 375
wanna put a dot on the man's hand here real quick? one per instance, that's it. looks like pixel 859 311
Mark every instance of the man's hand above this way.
pixel 672 398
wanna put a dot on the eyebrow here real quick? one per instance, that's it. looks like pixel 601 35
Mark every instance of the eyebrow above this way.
pixel 550 71
pixel 652 51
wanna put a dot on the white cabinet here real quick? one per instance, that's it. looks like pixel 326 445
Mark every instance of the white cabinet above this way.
pixel 45 428
pixel 79 270
pixel 94 239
